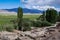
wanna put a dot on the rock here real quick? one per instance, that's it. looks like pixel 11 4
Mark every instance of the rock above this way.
pixel 45 33
pixel 29 34
pixel 58 25
pixel 8 36
pixel 25 38
pixel 17 38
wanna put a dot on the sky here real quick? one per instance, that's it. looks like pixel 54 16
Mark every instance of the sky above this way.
pixel 41 4
pixel 30 4
pixel 8 4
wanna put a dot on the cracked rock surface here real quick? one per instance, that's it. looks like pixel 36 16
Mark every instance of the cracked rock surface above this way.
pixel 45 33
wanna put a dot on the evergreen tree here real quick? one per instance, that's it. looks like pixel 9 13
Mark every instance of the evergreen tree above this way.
pixel 20 18
pixel 51 15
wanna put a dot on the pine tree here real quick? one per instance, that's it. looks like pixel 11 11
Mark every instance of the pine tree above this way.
pixel 20 18
pixel 51 15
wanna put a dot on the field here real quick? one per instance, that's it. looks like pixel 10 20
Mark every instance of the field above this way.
pixel 6 19
pixel 31 17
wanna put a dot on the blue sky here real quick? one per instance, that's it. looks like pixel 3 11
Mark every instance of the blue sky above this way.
pixel 30 4
pixel 7 4
pixel 41 4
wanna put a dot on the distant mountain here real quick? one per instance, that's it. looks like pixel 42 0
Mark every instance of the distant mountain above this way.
pixel 11 10
pixel 25 10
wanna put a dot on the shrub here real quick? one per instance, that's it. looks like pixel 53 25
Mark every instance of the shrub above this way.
pixel 26 25
pixel 41 23
pixel 6 27
pixel 36 23
pixel 45 23
pixel 10 29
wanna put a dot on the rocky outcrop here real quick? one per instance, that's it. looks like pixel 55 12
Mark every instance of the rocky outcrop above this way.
pixel 8 35
pixel 45 33
pixel 27 35
pixel 36 34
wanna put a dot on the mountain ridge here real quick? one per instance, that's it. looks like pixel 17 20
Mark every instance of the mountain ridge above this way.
pixel 25 10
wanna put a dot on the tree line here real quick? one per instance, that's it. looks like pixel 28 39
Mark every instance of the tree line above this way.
pixel 50 16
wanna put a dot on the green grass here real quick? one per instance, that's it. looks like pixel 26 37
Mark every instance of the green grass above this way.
pixel 31 17
pixel 6 20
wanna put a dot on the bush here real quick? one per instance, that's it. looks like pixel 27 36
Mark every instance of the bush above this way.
pixel 45 23
pixel 8 27
pixel 26 25
pixel 41 23
pixel 36 23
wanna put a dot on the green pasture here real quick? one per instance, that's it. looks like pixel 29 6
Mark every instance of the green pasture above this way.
pixel 5 20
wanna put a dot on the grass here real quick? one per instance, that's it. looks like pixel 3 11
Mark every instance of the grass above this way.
pixel 6 20
pixel 32 17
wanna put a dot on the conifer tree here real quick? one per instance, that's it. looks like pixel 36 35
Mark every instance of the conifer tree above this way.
pixel 20 18
pixel 51 15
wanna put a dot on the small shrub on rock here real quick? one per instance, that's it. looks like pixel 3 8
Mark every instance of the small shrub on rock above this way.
pixel 41 23
pixel 10 29
pixel 26 25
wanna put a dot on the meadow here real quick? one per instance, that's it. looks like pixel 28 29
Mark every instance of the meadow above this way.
pixel 5 20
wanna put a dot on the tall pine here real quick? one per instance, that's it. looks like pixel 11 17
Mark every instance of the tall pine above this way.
pixel 51 15
pixel 20 18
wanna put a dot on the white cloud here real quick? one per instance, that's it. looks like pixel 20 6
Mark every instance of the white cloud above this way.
pixel 38 2
pixel 41 4
pixel 43 7
pixel 58 9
